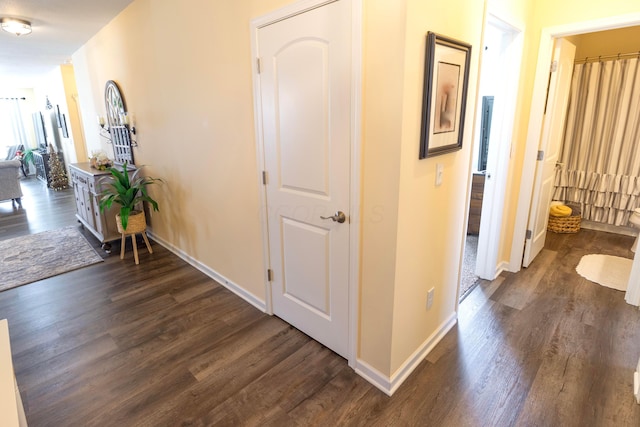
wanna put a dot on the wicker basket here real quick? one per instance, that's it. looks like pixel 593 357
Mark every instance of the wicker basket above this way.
pixel 565 224
pixel 137 223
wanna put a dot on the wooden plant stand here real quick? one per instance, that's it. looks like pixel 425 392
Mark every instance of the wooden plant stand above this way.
pixel 137 225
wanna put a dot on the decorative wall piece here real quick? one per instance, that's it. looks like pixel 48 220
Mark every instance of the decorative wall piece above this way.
pixel 446 80
pixel 65 131
pixel 41 132
pixel 58 118
pixel 118 124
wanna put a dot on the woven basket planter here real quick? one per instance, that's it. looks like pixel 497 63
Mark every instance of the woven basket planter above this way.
pixel 565 224
pixel 137 223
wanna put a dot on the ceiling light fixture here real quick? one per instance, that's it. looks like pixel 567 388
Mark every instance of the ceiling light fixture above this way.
pixel 19 27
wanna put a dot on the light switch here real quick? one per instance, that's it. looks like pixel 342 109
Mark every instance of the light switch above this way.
pixel 439 173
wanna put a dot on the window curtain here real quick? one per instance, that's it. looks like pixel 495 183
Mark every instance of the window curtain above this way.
pixel 12 130
pixel 599 166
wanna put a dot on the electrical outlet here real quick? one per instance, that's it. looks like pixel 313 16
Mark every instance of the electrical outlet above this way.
pixel 439 173
pixel 430 297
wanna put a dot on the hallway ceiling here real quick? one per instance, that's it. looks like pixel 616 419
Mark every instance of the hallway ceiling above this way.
pixel 60 27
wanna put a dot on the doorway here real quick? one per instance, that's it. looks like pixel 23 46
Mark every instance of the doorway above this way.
pixel 548 36
pixel 538 103
pixel 494 126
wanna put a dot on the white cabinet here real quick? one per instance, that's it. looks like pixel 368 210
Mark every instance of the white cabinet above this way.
pixel 87 185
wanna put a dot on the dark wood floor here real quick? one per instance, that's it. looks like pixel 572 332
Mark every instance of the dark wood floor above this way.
pixel 161 344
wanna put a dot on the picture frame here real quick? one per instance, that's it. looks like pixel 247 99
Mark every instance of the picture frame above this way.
pixel 65 132
pixel 446 81
pixel 58 116
pixel 40 129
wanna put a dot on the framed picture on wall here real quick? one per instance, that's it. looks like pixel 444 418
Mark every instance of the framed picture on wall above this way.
pixel 65 132
pixel 58 117
pixel 41 132
pixel 446 81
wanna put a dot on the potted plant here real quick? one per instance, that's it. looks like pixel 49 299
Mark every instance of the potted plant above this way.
pixel 128 192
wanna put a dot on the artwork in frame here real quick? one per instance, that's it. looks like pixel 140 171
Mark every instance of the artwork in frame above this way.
pixel 58 117
pixel 446 81
pixel 65 132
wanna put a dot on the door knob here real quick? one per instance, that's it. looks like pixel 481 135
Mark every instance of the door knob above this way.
pixel 337 217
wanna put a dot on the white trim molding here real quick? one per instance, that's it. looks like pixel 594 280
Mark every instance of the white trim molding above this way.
pixel 632 295
pixel 356 165
pixel 221 279
pixel 389 385
pixel 490 234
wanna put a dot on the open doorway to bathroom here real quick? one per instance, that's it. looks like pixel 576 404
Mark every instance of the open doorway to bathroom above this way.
pixel 492 145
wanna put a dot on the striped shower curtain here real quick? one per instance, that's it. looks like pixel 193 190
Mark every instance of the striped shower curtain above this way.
pixel 599 166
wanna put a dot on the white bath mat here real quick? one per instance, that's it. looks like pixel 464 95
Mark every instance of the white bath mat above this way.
pixel 606 270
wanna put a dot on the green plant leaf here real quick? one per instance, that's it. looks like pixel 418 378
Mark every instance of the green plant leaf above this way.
pixel 127 192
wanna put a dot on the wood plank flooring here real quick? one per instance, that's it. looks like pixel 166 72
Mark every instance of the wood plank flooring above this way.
pixel 161 344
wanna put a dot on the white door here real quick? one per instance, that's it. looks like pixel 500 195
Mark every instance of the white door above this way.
pixel 500 78
pixel 305 89
pixel 551 139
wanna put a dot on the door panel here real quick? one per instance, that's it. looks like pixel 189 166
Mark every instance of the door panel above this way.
pixel 306 276
pixel 302 102
pixel 551 141
pixel 305 94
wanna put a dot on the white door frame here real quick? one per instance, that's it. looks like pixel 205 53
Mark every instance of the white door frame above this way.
pixel 297 8
pixel 545 53
pixel 489 236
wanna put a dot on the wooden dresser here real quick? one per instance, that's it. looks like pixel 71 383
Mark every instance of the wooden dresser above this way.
pixel 87 185
pixel 475 208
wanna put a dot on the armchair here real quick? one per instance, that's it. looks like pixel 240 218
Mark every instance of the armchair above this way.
pixel 11 155
pixel 10 181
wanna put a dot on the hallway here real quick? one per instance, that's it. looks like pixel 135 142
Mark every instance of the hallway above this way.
pixel 163 344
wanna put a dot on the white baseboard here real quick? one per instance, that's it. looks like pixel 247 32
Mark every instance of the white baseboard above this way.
pixel 389 385
pixel 233 287
pixel 616 229
pixel 374 377
pixel 503 266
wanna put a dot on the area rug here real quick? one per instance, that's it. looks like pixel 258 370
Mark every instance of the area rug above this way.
pixel 606 270
pixel 27 259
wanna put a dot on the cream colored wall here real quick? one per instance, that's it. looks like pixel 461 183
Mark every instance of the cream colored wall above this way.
pixel 74 124
pixel 548 13
pixel 611 42
pixel 190 91
pixel 545 13
pixel 383 72
pixel 418 243
pixel 431 219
